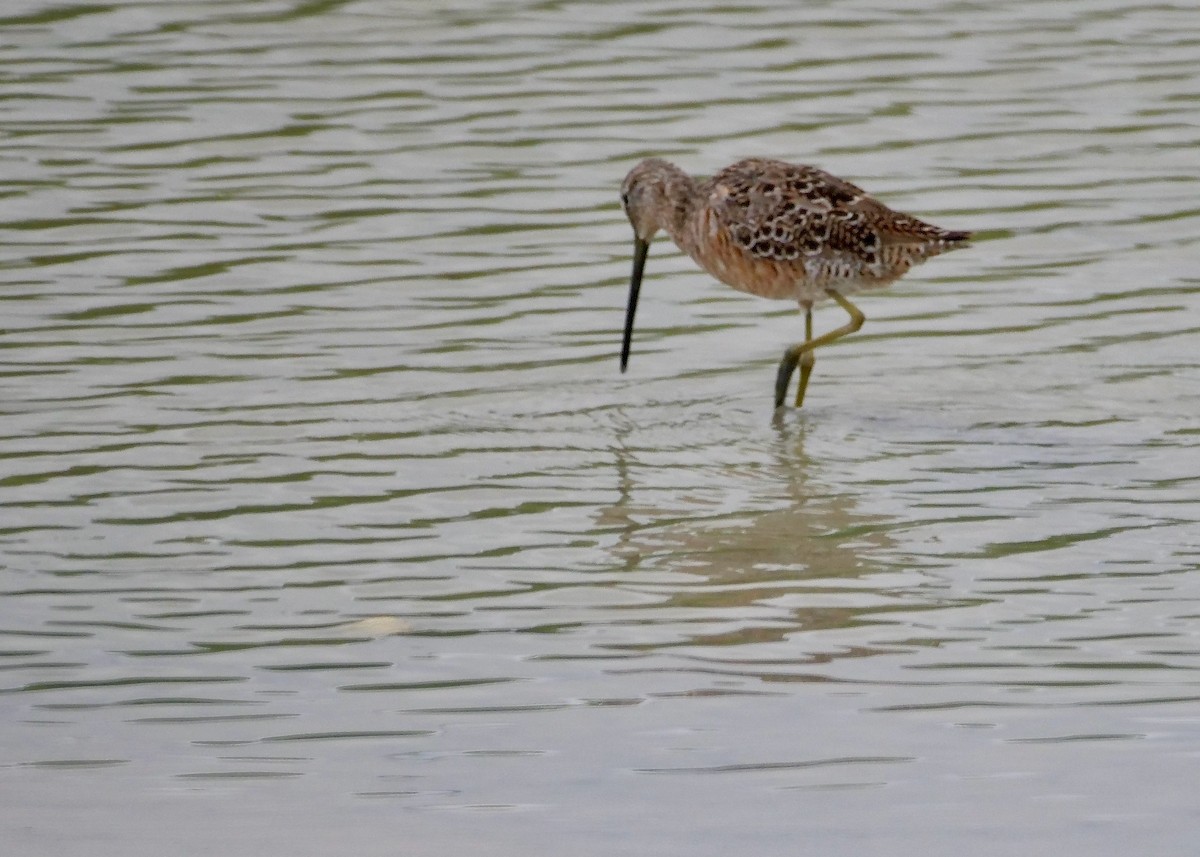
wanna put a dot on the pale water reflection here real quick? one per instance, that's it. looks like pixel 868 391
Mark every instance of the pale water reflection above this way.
pixel 328 525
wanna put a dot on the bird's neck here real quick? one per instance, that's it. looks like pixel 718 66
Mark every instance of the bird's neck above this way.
pixel 680 197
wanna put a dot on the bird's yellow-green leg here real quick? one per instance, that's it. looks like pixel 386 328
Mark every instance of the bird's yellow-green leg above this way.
pixel 808 359
pixel 796 353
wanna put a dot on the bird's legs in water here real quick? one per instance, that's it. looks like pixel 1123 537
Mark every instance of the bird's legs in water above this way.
pixel 802 354
pixel 808 358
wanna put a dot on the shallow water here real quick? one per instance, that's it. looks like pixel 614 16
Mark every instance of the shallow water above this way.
pixel 328 522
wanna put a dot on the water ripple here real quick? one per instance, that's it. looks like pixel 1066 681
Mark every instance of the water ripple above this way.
pixel 311 416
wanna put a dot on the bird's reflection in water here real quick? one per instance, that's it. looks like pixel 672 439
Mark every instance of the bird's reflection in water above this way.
pixel 753 555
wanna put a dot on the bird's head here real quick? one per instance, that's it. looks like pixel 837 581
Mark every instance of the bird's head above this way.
pixel 654 196
pixel 645 198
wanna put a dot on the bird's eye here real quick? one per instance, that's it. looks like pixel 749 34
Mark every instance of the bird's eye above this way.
pixel 624 200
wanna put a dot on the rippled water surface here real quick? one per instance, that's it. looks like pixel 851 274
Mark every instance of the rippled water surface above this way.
pixel 328 524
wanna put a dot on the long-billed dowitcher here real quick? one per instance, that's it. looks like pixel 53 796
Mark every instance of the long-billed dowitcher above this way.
pixel 777 230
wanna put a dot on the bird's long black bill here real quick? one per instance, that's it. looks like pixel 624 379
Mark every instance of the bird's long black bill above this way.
pixel 640 249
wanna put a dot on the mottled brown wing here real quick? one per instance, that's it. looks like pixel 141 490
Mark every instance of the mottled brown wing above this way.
pixel 785 212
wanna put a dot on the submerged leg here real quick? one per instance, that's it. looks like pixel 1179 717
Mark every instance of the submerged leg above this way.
pixel 784 376
pixel 802 353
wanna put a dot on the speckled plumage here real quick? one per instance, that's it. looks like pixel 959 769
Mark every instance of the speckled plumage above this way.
pixel 780 230
pixel 777 230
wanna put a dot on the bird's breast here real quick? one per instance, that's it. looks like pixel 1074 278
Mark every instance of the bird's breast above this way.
pixel 708 242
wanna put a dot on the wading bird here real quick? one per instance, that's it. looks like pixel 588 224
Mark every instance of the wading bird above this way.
pixel 777 230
